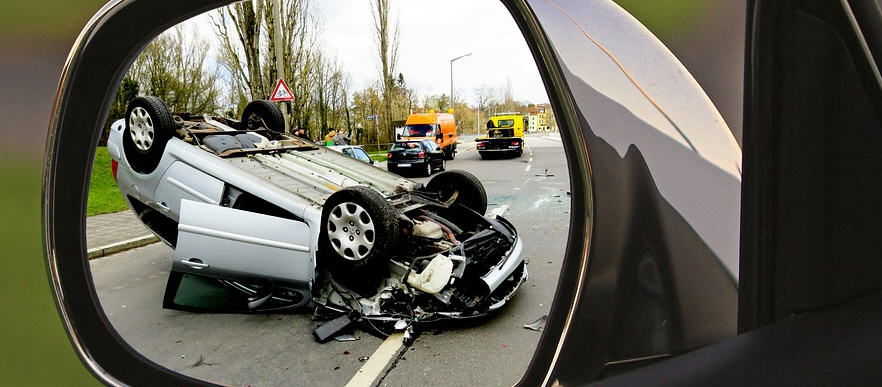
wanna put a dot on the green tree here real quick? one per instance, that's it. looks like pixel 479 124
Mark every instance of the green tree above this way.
pixel 127 91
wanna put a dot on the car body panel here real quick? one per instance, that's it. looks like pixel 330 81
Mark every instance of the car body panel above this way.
pixel 224 242
pixel 666 187
pixel 182 182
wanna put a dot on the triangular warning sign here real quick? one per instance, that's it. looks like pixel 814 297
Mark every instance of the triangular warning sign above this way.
pixel 281 92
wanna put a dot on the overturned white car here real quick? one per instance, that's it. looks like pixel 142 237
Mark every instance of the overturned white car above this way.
pixel 282 223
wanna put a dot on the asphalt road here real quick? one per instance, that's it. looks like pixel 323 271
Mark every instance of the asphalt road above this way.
pixel 278 349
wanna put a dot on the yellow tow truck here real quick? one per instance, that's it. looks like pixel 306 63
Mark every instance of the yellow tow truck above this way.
pixel 505 135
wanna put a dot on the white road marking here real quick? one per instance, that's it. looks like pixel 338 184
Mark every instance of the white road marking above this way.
pixel 497 211
pixel 527 169
pixel 378 361
pixel 531 159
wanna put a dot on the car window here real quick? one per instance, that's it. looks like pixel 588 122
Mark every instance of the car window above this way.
pixel 407 145
pixel 360 154
pixel 431 146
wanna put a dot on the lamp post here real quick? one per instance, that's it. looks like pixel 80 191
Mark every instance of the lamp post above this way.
pixel 277 42
pixel 451 76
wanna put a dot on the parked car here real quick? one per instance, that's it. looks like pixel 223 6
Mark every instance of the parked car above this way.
pixel 420 156
pixel 354 151
pixel 290 224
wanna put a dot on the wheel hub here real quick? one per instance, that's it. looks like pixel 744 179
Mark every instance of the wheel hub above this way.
pixel 351 231
pixel 141 128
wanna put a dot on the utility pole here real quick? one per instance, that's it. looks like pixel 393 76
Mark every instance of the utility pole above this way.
pixel 277 42
pixel 452 101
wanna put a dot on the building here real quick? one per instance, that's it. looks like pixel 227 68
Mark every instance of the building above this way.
pixel 532 120
pixel 540 118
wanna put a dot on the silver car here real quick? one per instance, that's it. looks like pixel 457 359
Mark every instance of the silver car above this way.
pixel 284 223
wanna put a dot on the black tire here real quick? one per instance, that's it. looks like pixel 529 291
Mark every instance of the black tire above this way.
pixel 263 113
pixel 149 126
pixel 428 171
pixel 370 240
pixel 443 165
pixel 471 191
pixel 450 153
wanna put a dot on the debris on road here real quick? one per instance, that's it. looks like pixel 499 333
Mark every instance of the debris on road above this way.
pixel 362 359
pixel 347 337
pixel 538 324
pixel 545 174
pixel 331 328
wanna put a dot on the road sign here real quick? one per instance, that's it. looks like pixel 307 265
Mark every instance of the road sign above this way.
pixel 281 92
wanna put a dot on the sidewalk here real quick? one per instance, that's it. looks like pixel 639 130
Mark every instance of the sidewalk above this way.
pixel 111 233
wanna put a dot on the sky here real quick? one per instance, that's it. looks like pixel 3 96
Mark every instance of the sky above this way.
pixel 430 36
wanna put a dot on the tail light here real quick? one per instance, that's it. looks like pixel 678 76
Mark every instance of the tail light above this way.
pixel 480 145
pixel 514 143
pixel 422 155
pixel 388 155
pixel 114 165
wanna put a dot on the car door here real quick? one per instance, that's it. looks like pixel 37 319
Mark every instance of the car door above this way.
pixel 258 253
pixel 434 154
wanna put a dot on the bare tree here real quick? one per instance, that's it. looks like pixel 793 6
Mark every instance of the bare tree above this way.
pixel 247 33
pixel 387 43
pixel 484 96
pixel 238 27
pixel 172 68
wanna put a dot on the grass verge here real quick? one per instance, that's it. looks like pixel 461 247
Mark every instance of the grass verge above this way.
pixel 104 196
pixel 378 156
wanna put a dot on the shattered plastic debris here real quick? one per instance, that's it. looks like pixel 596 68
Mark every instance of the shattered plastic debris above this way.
pixel 538 324
pixel 400 324
pixel 347 337
pixel 434 277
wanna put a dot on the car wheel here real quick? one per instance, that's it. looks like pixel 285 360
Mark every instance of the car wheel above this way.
pixel 263 113
pixel 443 165
pixel 428 171
pixel 470 191
pixel 359 228
pixel 149 126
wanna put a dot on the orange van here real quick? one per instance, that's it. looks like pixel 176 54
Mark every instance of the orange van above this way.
pixel 440 127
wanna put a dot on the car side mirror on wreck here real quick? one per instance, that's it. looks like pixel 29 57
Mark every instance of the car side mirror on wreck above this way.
pixel 289 239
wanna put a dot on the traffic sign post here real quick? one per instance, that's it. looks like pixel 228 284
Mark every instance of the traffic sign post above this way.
pixel 282 93
pixel 376 125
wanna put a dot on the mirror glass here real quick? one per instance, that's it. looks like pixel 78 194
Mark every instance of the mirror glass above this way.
pixel 276 197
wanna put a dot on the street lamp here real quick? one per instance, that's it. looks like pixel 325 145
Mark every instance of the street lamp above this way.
pixel 451 76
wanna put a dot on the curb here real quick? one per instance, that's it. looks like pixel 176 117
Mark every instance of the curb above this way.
pixel 114 248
